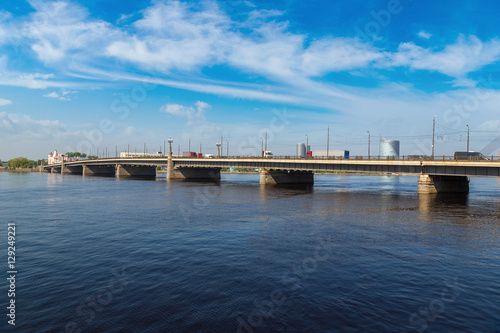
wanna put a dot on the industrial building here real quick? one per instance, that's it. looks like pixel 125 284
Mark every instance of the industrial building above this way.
pixel 388 148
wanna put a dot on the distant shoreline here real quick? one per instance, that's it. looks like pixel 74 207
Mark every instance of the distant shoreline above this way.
pixel 333 173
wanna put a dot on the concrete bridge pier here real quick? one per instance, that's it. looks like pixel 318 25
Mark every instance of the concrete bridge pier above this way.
pixel 55 170
pixel 194 174
pixel 442 184
pixel 71 170
pixel 274 177
pixel 140 171
pixel 95 170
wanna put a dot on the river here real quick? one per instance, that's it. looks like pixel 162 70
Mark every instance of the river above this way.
pixel 350 254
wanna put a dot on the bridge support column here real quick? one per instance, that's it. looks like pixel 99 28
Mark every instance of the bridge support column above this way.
pixel 71 170
pixel 142 171
pixel 273 177
pixel 193 174
pixel 94 170
pixel 55 170
pixel 443 184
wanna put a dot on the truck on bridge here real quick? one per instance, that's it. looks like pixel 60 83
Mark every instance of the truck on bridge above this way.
pixel 329 153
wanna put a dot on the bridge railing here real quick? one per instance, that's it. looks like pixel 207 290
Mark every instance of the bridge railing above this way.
pixel 353 157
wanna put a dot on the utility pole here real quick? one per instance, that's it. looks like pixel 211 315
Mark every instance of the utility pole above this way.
pixel 116 151
pixel 369 144
pixel 262 147
pixel 144 148
pixel 164 147
pixel 307 144
pixel 179 149
pixel 467 138
pixel 266 142
pixel 328 142
pixel 221 146
pixel 433 134
pixel 200 147
pixel 227 148
pixel 189 147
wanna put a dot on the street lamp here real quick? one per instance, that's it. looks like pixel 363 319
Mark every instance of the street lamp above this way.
pixel 170 141
pixel 307 144
pixel 369 143
pixel 328 142
pixel 433 134
pixel 467 138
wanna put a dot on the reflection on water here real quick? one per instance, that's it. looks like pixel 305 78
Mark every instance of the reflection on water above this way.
pixel 433 202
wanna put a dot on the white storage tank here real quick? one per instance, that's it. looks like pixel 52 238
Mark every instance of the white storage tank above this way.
pixel 301 150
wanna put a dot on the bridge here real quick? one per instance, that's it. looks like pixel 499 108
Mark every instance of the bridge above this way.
pixel 435 176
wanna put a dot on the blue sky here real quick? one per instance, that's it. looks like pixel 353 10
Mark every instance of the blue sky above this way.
pixel 88 75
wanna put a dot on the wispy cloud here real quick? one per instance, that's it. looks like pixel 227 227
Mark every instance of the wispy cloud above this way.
pixel 178 40
pixel 457 60
pixel 14 125
pixel 192 114
pixel 423 34
pixel 4 102
pixel 63 96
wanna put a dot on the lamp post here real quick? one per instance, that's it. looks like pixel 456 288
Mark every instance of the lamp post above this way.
pixel 227 148
pixel 218 144
pixel 266 143
pixel 170 141
pixel 433 134
pixel 307 144
pixel 328 142
pixel 467 137
pixel 262 147
pixel 369 143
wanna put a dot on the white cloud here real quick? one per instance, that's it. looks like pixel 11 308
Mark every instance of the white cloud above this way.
pixel 15 125
pixel 123 18
pixel 424 35
pixel 456 60
pixel 4 102
pixel 52 95
pixel 337 54
pixel 180 39
pixel 192 114
pixel 63 96
pixel 59 28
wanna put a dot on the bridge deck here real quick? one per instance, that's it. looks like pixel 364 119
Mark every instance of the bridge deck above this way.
pixel 483 168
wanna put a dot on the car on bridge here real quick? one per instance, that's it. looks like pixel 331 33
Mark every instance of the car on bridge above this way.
pixel 469 155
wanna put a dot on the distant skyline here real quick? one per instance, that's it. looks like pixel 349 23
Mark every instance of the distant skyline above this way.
pixel 88 75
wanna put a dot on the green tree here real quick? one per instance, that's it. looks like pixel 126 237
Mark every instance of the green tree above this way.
pixel 19 162
pixel 75 154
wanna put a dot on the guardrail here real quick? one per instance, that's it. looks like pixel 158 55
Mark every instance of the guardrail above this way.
pixel 354 157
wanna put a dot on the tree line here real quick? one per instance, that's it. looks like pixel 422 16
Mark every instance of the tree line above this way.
pixel 23 162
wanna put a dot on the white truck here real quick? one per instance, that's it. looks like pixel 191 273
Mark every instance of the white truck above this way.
pixel 330 153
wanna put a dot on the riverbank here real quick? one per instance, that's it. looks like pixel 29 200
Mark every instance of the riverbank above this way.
pixel 19 170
